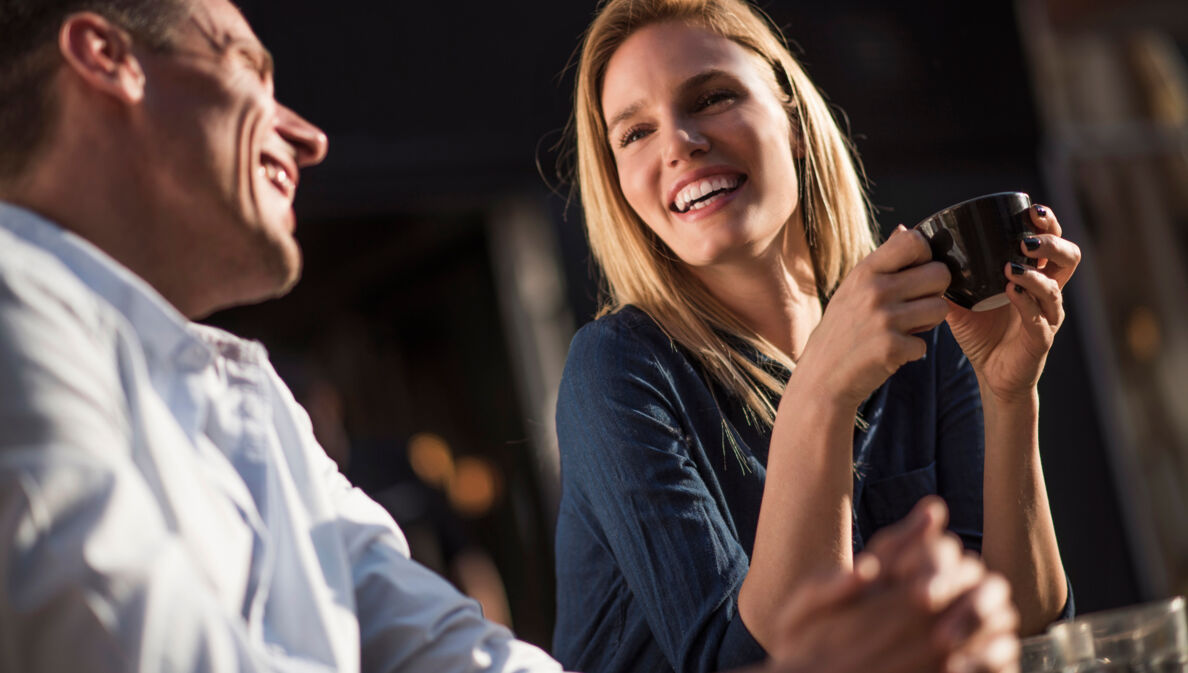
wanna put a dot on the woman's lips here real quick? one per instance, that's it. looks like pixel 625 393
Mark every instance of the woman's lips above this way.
pixel 699 194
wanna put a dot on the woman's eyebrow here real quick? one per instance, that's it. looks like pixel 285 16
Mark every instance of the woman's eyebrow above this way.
pixel 625 114
pixel 701 78
pixel 692 82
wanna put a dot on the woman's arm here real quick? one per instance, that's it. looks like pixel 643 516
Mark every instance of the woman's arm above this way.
pixel 1018 537
pixel 1008 349
pixel 865 335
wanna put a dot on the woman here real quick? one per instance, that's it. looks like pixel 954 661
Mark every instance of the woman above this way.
pixel 764 388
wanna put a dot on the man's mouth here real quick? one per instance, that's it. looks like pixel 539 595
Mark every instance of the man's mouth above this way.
pixel 281 176
pixel 701 193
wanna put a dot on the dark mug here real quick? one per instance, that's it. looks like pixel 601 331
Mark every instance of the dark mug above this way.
pixel 976 239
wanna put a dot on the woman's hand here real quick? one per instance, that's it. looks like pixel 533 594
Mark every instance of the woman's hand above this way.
pixel 866 332
pixel 1008 347
pixel 914 603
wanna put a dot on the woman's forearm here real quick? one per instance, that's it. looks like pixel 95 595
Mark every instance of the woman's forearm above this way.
pixel 805 515
pixel 1019 539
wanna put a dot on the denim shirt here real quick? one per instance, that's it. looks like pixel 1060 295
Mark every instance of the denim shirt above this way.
pixel 662 476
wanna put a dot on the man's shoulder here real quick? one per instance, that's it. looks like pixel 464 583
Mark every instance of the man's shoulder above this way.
pixel 59 354
pixel 33 280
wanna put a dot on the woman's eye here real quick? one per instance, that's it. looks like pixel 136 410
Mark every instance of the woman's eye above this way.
pixel 713 98
pixel 632 134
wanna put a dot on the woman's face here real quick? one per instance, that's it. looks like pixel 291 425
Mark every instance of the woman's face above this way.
pixel 702 145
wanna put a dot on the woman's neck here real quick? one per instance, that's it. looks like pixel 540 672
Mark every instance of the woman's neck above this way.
pixel 776 296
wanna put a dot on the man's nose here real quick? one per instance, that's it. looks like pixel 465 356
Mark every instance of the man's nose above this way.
pixel 309 141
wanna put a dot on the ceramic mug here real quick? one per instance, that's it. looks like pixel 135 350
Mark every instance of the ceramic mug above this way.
pixel 976 239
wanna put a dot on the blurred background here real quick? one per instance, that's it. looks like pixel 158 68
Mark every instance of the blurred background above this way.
pixel 446 269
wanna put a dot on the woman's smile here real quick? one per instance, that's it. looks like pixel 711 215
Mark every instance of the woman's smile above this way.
pixel 695 194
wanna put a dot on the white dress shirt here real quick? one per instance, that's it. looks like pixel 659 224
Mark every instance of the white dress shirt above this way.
pixel 165 507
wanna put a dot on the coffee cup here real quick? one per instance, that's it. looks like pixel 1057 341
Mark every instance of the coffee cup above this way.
pixel 976 239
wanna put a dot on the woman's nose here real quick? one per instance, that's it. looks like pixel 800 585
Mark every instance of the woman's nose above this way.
pixel 684 142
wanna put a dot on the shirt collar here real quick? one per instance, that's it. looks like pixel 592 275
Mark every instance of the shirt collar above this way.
pixel 167 336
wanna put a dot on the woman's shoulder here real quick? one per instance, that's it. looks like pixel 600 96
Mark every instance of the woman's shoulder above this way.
pixel 627 330
pixel 627 342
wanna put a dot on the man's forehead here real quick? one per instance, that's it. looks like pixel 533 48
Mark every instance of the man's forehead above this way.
pixel 221 22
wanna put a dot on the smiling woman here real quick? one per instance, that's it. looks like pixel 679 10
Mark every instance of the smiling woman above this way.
pixel 764 389
pixel 697 93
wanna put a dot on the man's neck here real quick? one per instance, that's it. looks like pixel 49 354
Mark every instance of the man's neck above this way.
pixel 100 206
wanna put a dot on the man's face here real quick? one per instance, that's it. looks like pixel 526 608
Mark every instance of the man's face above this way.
pixel 225 156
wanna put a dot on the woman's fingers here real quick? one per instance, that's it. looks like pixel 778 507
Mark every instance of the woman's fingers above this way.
pixel 905 248
pixel 919 315
pixel 1057 257
pixel 1044 290
pixel 923 280
pixel 1045 220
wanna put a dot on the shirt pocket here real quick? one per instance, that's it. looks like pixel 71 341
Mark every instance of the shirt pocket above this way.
pixel 889 499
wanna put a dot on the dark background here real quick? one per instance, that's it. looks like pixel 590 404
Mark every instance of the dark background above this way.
pixel 437 111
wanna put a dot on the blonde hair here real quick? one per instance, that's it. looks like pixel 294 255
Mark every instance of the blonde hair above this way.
pixel 638 269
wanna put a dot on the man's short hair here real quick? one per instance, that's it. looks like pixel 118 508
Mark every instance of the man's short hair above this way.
pixel 29 58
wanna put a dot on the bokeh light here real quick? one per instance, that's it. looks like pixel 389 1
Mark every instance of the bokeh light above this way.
pixel 431 459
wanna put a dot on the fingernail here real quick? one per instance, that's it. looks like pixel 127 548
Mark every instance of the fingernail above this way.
pixel 1032 243
pixel 1016 269
pixel 1041 211
pixel 1019 289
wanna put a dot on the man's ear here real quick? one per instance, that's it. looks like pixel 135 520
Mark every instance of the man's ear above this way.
pixel 100 53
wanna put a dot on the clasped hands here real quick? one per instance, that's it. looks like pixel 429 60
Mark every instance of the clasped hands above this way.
pixel 915 602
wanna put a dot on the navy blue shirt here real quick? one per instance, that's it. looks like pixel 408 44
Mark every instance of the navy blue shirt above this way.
pixel 662 474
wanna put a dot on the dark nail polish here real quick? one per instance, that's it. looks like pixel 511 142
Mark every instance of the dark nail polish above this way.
pixel 1032 243
pixel 1019 289
pixel 1016 269
pixel 1041 211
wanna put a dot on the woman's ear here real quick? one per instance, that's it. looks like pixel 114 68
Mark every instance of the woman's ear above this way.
pixel 796 132
pixel 100 54
pixel 789 100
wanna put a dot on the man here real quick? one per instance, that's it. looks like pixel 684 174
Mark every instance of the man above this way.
pixel 163 503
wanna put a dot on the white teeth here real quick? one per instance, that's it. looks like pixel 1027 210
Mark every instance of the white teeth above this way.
pixel 282 176
pixel 278 175
pixel 696 190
